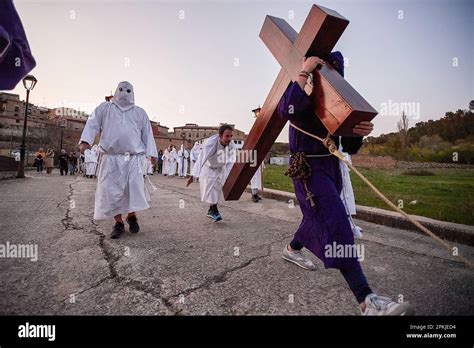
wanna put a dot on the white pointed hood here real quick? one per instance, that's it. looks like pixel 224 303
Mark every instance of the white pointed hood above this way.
pixel 124 96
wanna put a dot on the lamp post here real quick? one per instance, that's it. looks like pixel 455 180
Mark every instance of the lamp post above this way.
pixel 62 126
pixel 29 83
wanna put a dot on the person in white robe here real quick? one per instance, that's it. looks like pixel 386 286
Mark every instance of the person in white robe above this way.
pixel 90 162
pixel 183 156
pixel 212 167
pixel 95 152
pixel 125 142
pixel 347 193
pixel 173 162
pixel 256 183
pixel 194 155
pixel 166 162
pixel 150 167
pixel 185 163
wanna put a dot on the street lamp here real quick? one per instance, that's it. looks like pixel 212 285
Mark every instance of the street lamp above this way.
pixel 62 126
pixel 29 82
pixel 257 111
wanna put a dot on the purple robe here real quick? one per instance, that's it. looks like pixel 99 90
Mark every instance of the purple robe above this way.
pixel 16 59
pixel 327 222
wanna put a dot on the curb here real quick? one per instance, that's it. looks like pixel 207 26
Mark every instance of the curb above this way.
pixel 458 233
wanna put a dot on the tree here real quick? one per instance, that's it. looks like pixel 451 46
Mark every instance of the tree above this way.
pixel 402 126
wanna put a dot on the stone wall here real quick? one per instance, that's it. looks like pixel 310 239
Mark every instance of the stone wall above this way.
pixel 388 162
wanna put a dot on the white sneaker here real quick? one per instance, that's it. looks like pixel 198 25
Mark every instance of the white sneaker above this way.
pixel 379 305
pixel 357 231
pixel 298 258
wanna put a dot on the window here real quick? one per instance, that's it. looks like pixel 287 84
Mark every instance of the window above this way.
pixel 17 121
pixel 17 109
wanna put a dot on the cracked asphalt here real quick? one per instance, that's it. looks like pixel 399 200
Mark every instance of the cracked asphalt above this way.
pixel 181 263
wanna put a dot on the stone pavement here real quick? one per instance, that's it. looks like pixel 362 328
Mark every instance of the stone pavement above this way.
pixel 183 263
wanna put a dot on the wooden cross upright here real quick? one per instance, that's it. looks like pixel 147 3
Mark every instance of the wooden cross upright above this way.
pixel 334 100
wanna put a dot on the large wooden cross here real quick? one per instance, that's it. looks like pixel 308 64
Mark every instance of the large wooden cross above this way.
pixel 334 100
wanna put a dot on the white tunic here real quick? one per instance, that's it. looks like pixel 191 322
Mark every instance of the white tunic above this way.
pixel 126 139
pixel 185 162
pixel 212 167
pixel 347 193
pixel 173 162
pixel 166 162
pixel 183 156
pixel 90 162
pixel 256 181
pixel 149 165
pixel 195 151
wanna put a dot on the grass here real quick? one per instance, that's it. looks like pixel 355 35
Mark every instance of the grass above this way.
pixel 447 195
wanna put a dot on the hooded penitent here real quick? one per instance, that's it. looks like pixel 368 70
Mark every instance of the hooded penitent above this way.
pixel 327 221
pixel 124 96
pixel 126 140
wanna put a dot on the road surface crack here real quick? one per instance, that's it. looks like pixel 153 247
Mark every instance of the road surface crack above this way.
pixel 221 277
pixel 67 220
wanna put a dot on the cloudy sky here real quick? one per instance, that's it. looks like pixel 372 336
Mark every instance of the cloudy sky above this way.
pixel 203 61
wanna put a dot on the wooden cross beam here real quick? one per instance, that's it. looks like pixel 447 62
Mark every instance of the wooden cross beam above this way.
pixel 334 101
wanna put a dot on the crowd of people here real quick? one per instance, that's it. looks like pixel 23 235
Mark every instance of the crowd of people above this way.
pixel 170 161
pixel 69 163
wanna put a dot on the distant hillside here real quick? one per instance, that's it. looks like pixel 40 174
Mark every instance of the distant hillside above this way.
pixel 447 140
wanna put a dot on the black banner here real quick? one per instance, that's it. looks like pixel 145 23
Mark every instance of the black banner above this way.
pixel 39 331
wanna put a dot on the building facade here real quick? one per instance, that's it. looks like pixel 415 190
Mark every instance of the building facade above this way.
pixel 53 127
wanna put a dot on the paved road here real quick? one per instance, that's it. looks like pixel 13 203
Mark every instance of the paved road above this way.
pixel 183 263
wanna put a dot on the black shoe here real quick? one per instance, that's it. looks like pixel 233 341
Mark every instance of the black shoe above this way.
pixel 133 224
pixel 119 228
pixel 259 198
pixel 255 198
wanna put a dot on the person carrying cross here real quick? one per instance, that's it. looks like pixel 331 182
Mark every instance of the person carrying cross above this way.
pixel 317 182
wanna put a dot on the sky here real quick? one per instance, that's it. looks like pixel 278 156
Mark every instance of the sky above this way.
pixel 203 61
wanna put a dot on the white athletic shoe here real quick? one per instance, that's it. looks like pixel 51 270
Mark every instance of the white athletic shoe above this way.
pixel 379 305
pixel 357 231
pixel 298 258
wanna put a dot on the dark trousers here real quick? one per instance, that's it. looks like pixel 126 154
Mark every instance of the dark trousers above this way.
pixel 354 278
pixel 63 168
pixel 39 166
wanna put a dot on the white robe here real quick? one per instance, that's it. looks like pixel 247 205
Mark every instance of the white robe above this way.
pixel 149 165
pixel 166 162
pixel 212 167
pixel 194 155
pixel 183 156
pixel 90 162
pixel 347 193
pixel 126 139
pixel 256 181
pixel 173 165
